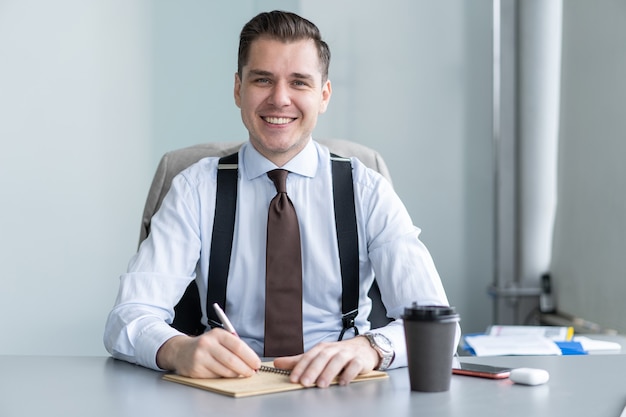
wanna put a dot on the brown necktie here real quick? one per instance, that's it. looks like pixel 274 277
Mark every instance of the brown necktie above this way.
pixel 283 281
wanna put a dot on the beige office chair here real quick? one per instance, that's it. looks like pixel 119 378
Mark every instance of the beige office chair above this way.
pixel 187 311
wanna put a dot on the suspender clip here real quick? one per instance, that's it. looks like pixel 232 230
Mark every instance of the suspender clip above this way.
pixel 348 322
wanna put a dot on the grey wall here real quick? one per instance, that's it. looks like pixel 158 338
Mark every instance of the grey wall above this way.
pixel 590 232
pixel 413 80
pixel 75 125
pixel 92 93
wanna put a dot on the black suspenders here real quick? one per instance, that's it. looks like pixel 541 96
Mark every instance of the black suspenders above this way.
pixel 222 238
pixel 347 238
pixel 347 241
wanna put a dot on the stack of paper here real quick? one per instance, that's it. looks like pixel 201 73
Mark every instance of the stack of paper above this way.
pixel 556 333
pixel 535 340
pixel 592 345
pixel 520 340
pixel 486 345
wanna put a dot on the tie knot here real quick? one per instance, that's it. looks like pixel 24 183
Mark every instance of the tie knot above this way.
pixel 279 177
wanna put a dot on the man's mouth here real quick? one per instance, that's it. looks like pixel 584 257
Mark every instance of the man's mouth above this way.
pixel 278 120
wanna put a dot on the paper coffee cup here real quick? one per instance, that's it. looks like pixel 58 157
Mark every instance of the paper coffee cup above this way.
pixel 430 333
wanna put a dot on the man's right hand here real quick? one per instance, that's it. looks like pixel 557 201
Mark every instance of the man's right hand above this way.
pixel 214 354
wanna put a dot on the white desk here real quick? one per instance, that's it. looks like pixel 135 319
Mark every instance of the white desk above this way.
pixel 99 386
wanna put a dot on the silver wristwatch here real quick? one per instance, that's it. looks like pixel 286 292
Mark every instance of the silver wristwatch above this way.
pixel 384 347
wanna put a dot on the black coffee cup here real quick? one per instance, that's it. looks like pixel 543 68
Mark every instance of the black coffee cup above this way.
pixel 430 333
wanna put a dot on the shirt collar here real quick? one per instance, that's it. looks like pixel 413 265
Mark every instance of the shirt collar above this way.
pixel 304 163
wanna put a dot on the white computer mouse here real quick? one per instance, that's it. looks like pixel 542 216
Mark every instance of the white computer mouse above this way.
pixel 529 376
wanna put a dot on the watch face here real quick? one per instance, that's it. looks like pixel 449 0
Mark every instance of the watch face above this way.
pixel 382 342
pixel 384 347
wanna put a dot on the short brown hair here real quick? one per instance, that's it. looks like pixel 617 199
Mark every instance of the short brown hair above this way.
pixel 285 27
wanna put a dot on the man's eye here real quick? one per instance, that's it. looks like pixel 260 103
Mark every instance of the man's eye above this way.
pixel 261 81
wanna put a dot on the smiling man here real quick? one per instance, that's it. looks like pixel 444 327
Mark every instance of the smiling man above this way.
pixel 281 87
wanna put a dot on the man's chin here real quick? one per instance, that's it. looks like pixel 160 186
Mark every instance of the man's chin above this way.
pixel 272 148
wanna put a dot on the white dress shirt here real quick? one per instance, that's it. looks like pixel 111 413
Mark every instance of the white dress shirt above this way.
pixel 178 247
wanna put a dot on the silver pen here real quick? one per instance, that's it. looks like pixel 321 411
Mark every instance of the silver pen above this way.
pixel 229 327
pixel 225 322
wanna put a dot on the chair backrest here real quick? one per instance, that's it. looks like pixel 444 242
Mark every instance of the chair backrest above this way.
pixel 174 162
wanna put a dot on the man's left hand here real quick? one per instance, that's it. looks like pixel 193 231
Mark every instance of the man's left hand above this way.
pixel 325 361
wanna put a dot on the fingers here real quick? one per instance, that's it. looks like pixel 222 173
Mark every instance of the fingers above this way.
pixel 219 353
pixel 326 362
pixel 235 355
pixel 216 353
pixel 325 366
pixel 287 362
pixel 350 371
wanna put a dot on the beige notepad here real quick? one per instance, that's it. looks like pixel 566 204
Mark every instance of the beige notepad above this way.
pixel 263 382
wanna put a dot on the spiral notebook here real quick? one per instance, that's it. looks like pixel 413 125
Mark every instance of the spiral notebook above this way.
pixel 268 380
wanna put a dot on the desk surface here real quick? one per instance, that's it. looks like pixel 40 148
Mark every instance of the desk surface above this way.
pixel 99 386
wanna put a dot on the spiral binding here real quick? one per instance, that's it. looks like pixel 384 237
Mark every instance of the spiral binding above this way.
pixel 264 368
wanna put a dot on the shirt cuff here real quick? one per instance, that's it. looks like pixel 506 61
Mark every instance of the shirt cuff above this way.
pixel 150 340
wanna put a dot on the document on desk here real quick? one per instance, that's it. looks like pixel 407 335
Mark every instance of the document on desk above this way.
pixel 486 345
pixel 556 333
pixel 594 346
pixel 263 382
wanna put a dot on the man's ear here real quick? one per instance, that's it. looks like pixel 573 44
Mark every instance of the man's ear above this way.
pixel 327 91
pixel 237 90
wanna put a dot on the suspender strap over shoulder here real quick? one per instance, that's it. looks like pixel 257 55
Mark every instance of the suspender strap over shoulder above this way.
pixel 347 238
pixel 223 229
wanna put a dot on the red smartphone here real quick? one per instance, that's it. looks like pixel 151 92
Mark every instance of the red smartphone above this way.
pixel 482 371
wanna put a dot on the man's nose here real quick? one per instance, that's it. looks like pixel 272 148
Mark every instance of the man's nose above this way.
pixel 280 95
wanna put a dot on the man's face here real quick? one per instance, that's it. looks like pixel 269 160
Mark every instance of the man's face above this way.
pixel 280 96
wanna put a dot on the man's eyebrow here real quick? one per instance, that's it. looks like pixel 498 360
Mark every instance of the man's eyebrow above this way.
pixel 260 72
pixel 302 76
pixel 263 73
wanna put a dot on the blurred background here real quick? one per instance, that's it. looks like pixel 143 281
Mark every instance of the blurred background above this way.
pixel 469 103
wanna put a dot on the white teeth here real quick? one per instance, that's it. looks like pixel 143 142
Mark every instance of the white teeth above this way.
pixel 277 120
